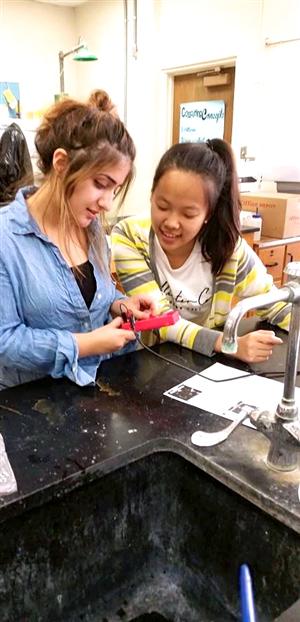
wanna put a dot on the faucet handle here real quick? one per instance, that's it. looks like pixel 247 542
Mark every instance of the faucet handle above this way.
pixel 292 269
pixel 284 437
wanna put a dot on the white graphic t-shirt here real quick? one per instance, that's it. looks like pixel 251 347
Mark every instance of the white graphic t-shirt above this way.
pixel 188 288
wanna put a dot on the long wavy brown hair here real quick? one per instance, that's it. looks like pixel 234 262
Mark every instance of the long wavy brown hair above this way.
pixel 214 162
pixel 93 139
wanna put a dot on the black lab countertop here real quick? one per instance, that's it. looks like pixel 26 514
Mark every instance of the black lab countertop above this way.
pixel 58 435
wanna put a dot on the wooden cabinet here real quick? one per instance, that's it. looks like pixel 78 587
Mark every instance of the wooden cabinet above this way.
pixel 292 254
pixel 276 254
pixel 273 259
pixel 248 236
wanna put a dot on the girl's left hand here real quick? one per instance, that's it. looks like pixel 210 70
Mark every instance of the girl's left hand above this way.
pixel 141 306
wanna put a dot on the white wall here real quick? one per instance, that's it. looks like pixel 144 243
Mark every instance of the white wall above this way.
pixel 104 21
pixel 215 31
pixel 172 36
pixel 31 35
pixel 281 92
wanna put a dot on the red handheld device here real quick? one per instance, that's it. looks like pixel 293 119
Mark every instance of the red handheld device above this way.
pixel 154 321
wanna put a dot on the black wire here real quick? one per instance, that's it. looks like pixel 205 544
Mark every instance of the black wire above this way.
pixel 267 374
pixel 271 374
pixel 189 369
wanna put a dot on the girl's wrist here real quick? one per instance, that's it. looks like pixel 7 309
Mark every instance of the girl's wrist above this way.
pixel 218 343
pixel 85 344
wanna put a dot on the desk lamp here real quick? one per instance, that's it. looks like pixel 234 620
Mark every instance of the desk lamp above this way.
pixel 81 52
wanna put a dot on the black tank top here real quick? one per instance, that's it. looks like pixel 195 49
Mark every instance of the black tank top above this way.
pixel 86 282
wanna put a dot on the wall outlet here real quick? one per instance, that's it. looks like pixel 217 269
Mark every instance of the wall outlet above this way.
pixel 243 153
pixel 244 156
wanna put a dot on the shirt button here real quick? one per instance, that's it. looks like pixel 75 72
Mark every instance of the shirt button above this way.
pixel 86 325
pixel 99 296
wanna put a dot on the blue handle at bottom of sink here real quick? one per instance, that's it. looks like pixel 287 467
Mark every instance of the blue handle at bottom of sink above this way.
pixel 246 593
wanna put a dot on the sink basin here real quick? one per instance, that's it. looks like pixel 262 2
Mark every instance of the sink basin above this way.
pixel 157 540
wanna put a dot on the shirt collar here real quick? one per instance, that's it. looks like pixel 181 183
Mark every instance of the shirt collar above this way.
pixel 20 217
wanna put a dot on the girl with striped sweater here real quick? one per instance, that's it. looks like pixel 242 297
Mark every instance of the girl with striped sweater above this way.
pixel 190 255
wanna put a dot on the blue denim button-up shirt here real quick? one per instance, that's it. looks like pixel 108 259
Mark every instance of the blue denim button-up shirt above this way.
pixel 41 305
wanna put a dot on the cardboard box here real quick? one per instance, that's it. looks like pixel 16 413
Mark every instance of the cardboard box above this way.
pixel 280 212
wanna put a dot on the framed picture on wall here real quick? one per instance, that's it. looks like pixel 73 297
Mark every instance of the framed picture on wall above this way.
pixel 10 100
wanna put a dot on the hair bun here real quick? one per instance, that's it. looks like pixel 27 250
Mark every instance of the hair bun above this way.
pixel 101 100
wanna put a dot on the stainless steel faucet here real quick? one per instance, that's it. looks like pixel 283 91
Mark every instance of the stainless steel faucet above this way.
pixel 283 426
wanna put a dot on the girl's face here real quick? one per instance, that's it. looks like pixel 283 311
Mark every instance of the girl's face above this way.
pixel 96 194
pixel 179 209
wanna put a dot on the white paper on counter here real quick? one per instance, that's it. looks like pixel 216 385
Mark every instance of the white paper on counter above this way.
pixel 228 399
pixel 8 483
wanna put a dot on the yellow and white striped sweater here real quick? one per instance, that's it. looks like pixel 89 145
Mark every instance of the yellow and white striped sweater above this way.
pixel 243 275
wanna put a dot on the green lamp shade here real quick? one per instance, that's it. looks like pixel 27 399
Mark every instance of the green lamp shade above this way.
pixel 85 54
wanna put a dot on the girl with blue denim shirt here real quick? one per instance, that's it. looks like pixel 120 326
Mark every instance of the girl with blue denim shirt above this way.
pixel 60 311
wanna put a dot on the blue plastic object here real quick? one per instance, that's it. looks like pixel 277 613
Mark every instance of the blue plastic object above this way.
pixel 246 593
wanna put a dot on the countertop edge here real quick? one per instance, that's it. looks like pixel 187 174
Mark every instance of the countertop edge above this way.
pixel 14 506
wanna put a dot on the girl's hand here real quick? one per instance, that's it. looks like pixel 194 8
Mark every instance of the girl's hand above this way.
pixel 254 347
pixel 141 306
pixel 104 340
pixel 257 346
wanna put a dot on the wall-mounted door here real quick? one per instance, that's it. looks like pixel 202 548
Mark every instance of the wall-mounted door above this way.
pixel 204 86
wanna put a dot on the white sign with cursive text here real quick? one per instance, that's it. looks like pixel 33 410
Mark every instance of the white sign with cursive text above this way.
pixel 201 120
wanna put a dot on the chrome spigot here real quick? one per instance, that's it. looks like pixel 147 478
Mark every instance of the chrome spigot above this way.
pixel 283 426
